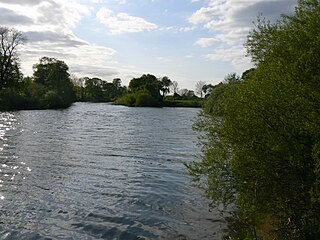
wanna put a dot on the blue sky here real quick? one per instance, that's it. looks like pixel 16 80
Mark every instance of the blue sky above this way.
pixel 186 40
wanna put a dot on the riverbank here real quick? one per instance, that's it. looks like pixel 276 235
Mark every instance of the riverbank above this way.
pixel 177 103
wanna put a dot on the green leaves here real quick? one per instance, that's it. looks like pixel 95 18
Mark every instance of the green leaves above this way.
pixel 261 132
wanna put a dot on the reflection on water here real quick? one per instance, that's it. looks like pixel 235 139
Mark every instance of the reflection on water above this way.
pixel 12 171
pixel 97 171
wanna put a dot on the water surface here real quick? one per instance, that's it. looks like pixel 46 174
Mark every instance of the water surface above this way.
pixel 98 171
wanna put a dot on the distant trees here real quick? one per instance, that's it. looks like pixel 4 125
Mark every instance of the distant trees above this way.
pixel 207 89
pixel 51 85
pixel 150 91
pixel 145 91
pixel 98 90
pixel 185 94
pixel 147 83
pixel 53 75
pixel 165 85
pixel 199 88
pixel 174 87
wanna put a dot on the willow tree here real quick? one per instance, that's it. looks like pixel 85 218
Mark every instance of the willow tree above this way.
pixel 261 147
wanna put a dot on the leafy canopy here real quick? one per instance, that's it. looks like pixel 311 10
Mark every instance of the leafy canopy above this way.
pixel 261 143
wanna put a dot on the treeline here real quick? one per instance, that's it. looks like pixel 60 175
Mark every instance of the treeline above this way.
pixel 98 90
pixel 52 86
pixel 149 91
pixel 49 87
pixel 261 133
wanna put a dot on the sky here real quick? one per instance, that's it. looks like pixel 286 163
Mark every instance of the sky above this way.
pixel 186 40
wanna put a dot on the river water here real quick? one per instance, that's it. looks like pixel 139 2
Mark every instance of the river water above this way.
pixel 98 171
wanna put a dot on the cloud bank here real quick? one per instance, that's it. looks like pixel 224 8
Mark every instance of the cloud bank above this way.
pixel 123 23
pixel 229 22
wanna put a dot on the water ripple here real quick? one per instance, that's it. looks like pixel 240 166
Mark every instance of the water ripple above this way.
pixel 97 171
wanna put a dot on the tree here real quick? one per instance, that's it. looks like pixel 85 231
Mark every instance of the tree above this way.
pixel 94 91
pixel 10 39
pixel 117 83
pixel 119 90
pixel 199 88
pixel 145 91
pixel 207 89
pixel 174 87
pixel 165 85
pixel 147 82
pixel 260 144
pixel 183 91
pixel 53 74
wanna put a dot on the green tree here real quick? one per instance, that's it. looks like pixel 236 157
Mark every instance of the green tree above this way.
pixel 149 83
pixel 10 39
pixel 207 89
pixel 165 85
pixel 261 145
pixel 93 89
pixel 53 74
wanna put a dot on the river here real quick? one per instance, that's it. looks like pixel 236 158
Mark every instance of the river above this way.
pixel 99 171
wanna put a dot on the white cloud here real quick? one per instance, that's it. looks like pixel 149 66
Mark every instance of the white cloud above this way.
pixel 234 54
pixel 229 22
pixel 206 42
pixel 103 1
pixel 121 1
pixel 75 52
pixel 48 26
pixel 186 29
pixel 54 15
pixel 123 23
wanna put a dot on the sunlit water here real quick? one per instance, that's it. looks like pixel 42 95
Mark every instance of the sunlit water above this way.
pixel 98 171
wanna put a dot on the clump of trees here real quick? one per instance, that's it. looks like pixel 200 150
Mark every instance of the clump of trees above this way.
pixel 146 91
pixel 260 133
pixel 150 91
pixel 98 90
pixel 52 86
pixel 49 87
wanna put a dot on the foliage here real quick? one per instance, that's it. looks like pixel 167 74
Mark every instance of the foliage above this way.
pixel 180 101
pixel 260 139
pixel 148 83
pixel 10 39
pixel 128 99
pixel 54 76
pixel 144 99
pixel 165 85
pixel 145 91
pixel 97 90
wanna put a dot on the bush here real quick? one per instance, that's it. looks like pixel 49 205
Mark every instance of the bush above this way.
pixel 11 99
pixel 144 99
pixel 127 100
